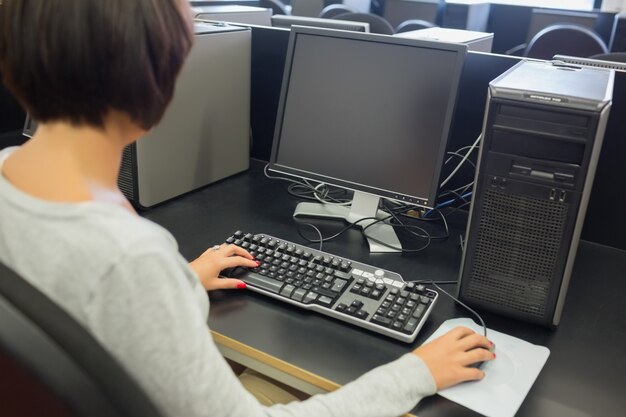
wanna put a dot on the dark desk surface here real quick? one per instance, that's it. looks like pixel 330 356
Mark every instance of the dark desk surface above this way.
pixel 585 374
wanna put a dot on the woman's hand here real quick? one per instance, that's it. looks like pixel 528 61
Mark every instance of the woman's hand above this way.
pixel 214 260
pixel 448 357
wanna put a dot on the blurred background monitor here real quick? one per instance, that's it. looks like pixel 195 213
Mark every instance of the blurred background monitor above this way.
pixel 397 11
pixel 542 18
pixel 310 8
pixel 283 21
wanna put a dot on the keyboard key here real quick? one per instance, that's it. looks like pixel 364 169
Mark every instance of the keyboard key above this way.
pixel 298 294
pixel 419 311
pixel 362 314
pixel 324 300
pixel 287 290
pixel 341 307
pixel 339 285
pixel 410 325
pixel 310 297
pixel 380 320
pixel 264 283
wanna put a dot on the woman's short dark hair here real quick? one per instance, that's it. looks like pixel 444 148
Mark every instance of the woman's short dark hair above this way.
pixel 74 60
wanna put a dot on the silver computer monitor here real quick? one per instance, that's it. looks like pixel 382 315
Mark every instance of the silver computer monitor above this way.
pixel 283 21
pixel 369 113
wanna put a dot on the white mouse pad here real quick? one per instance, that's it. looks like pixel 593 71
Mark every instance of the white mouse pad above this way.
pixel 508 378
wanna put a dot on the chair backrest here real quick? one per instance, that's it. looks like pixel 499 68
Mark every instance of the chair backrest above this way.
pixel 414 24
pixel 52 357
pixel 277 6
pixel 377 23
pixel 611 56
pixel 333 10
pixel 565 39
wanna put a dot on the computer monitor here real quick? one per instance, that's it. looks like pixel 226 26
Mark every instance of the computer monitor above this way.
pixel 397 11
pixel 369 113
pixel 308 8
pixel 284 21
pixel 269 50
pixel 542 18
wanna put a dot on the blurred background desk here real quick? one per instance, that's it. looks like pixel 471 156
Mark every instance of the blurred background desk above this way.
pixel 584 376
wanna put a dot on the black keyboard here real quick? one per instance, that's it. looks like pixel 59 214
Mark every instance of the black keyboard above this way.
pixel 350 291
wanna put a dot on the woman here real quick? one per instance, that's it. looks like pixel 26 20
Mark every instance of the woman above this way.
pixel 97 75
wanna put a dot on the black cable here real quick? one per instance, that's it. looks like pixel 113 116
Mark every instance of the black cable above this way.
pixel 456 300
pixel 455 209
pixel 457 195
pixel 304 190
pixel 319 233
pixel 404 225
pixel 380 242
pixel 342 231
pixel 309 192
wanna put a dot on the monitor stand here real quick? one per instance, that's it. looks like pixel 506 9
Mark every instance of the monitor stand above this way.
pixel 363 205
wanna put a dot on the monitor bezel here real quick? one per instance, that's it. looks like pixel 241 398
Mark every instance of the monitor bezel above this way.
pixel 427 201
pixel 279 20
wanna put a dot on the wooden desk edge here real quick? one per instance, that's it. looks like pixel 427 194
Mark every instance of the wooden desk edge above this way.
pixel 323 384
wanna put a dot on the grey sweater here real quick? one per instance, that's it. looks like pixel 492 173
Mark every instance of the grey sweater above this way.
pixel 123 278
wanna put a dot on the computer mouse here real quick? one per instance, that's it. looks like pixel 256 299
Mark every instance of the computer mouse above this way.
pixel 479 365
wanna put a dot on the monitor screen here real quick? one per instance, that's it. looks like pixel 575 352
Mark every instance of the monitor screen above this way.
pixel 397 11
pixel 284 21
pixel 542 18
pixel 370 113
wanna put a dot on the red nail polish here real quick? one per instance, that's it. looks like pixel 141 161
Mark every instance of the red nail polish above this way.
pixel 258 263
pixel 494 355
pixel 241 285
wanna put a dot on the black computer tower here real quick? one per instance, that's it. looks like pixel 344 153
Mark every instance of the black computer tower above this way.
pixel 618 35
pixel 542 135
